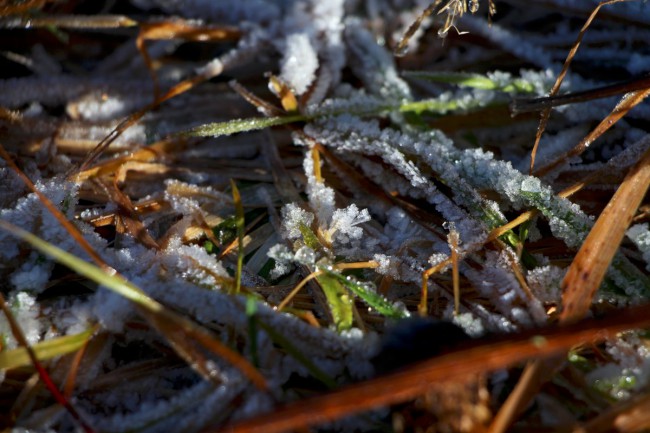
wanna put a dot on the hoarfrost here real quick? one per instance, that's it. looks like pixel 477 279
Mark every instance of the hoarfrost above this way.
pixel 360 122
pixel 26 311
pixel 471 324
pixel 545 282
pixel 299 63
pixel 294 217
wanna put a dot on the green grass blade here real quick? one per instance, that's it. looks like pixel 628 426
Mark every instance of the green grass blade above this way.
pixel 241 227
pixel 219 129
pixel 88 270
pixel 311 240
pixel 178 330
pixel 476 81
pixel 45 350
pixel 339 301
pixel 376 301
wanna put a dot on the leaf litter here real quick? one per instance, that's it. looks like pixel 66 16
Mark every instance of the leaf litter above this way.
pixel 252 242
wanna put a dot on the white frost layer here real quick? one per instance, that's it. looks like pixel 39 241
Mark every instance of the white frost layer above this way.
pixel 299 63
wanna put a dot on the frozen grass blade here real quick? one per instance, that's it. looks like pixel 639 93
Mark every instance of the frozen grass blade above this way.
pixel 453 246
pixel 241 125
pixel 77 21
pixel 175 327
pixel 440 106
pixel 53 209
pixel 583 279
pixel 369 295
pixel 338 300
pixel 90 271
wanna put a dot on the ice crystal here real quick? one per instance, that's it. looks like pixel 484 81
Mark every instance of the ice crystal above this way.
pixel 294 217
pixel 26 312
pixel 283 258
pixel 545 282
pixel 471 324
pixel 299 64
pixel 344 224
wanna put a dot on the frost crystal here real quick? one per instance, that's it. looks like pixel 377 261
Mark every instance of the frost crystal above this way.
pixel 26 312
pixel 545 282
pixel 470 324
pixel 299 64
pixel 375 214
pixel 294 217
pixel 345 221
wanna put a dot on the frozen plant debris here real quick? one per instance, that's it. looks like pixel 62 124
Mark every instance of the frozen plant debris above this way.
pixel 372 188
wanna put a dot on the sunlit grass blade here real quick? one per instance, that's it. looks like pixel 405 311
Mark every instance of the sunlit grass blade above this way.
pixel 440 106
pixel 44 350
pixel 338 300
pixel 370 296
pixel 476 81
pixel 588 269
pixel 90 271
pixel 241 125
